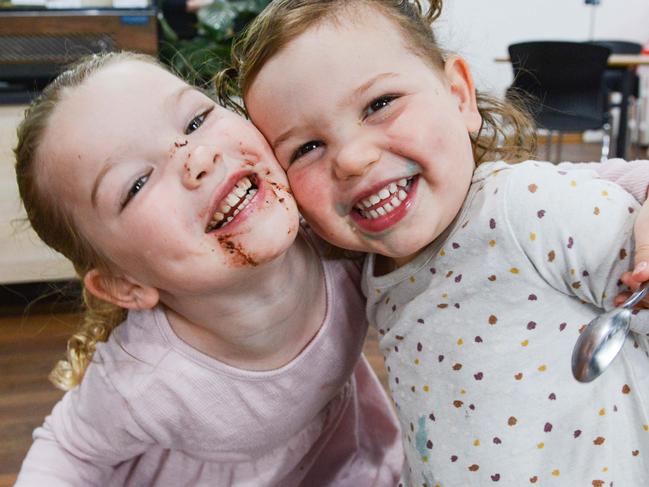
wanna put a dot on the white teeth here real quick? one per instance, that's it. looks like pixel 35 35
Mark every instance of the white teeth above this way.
pixel 240 195
pixel 232 199
pixel 390 196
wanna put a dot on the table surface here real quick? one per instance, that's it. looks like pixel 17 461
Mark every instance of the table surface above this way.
pixel 614 60
pixel 621 60
pixel 23 257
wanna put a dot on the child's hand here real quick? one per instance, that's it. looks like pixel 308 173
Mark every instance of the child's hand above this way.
pixel 640 272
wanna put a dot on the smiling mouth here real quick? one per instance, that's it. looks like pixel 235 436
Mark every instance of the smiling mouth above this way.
pixel 385 200
pixel 230 206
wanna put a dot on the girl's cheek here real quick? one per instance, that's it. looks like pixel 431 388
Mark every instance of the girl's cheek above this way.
pixel 307 189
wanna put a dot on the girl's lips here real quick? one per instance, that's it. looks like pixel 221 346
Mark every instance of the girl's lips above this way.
pixel 387 220
pixel 243 209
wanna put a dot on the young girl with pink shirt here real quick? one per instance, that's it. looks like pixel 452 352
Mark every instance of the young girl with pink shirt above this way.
pixel 480 278
pixel 219 347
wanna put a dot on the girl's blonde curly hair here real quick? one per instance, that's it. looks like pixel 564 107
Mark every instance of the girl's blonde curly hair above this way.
pixel 507 131
pixel 54 224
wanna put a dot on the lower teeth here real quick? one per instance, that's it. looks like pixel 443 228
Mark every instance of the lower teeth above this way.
pixel 216 225
pixel 381 210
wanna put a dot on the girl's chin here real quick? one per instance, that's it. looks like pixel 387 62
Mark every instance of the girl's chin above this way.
pixel 270 240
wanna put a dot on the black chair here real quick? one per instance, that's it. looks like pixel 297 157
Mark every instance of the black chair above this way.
pixel 564 83
pixel 617 78
pixel 614 77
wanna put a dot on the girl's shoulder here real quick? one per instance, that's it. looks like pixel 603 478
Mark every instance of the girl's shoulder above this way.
pixel 513 192
pixel 134 349
pixel 501 169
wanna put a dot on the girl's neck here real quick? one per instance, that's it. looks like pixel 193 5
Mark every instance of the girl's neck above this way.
pixel 268 322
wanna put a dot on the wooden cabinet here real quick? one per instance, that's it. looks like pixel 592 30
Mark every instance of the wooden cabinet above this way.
pixel 23 257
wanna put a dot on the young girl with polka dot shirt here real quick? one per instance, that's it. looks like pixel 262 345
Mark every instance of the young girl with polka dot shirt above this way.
pixel 481 274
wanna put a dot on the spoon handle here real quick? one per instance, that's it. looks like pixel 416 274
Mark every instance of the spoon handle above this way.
pixel 637 296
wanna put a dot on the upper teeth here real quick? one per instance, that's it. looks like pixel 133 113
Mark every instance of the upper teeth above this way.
pixel 385 200
pixel 238 199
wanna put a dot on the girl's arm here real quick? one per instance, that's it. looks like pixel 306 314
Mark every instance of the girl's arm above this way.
pixel 576 229
pixel 633 177
pixel 88 433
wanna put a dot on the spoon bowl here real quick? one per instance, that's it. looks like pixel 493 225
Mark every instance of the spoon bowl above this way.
pixel 599 344
pixel 603 338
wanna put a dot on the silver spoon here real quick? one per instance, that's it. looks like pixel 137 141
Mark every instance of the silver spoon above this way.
pixel 602 340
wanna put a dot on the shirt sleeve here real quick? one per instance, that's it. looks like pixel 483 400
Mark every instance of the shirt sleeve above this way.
pixel 89 432
pixel 632 176
pixel 575 228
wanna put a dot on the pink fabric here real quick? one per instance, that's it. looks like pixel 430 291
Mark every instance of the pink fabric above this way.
pixel 154 411
pixel 632 176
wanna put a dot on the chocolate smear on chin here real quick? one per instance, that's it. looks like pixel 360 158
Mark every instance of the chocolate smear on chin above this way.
pixel 238 256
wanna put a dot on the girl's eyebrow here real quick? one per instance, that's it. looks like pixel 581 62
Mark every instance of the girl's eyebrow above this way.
pixel 360 90
pixel 175 97
pixel 282 138
pixel 108 165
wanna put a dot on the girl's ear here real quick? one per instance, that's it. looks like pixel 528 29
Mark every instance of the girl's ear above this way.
pixel 120 291
pixel 459 76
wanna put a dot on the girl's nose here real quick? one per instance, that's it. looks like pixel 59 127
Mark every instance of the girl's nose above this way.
pixel 355 158
pixel 199 163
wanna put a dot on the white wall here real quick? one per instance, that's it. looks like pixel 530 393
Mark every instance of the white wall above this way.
pixel 481 30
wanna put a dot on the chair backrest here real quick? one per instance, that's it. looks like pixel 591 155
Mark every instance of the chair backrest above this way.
pixel 566 77
pixel 615 75
pixel 620 47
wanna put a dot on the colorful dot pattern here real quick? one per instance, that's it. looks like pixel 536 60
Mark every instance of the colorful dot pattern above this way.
pixel 479 330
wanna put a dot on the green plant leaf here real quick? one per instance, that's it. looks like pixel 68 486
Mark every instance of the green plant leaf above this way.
pixel 198 59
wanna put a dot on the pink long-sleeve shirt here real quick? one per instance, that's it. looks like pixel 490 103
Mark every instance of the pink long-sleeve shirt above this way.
pixel 151 410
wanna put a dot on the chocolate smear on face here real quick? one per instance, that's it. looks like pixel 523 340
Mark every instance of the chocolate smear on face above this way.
pixel 281 187
pixel 177 145
pixel 238 255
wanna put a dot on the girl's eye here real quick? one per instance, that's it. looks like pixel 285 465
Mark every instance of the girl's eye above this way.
pixel 305 149
pixel 197 121
pixel 379 104
pixel 135 189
